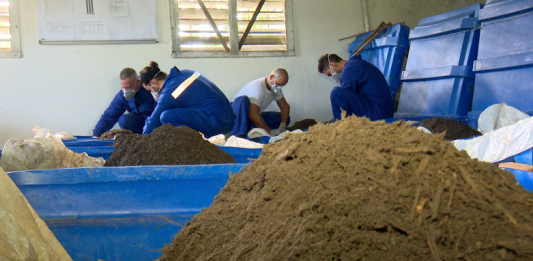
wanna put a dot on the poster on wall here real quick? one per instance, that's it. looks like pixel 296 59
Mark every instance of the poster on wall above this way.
pixel 96 21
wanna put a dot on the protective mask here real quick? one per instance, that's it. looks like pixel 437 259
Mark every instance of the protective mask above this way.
pixel 128 94
pixel 275 89
pixel 336 77
pixel 156 96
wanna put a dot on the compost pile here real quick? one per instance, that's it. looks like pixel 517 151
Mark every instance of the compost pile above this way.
pixel 113 134
pixel 455 130
pixel 302 125
pixel 361 190
pixel 166 145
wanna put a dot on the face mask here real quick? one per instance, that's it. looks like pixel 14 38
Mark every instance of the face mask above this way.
pixel 156 96
pixel 275 89
pixel 128 94
pixel 336 77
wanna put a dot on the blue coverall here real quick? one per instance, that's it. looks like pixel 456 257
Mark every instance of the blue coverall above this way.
pixel 202 106
pixel 363 91
pixel 243 124
pixel 139 107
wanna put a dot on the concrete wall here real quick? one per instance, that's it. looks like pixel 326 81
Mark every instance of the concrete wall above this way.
pixel 67 88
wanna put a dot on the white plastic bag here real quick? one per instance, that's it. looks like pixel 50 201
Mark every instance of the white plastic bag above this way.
pixel 283 135
pixel 43 153
pixel 242 143
pixel 497 116
pixel 257 132
pixel 500 144
pixel 45 133
pixel 218 139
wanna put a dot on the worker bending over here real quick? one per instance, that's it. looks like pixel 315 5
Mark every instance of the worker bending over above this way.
pixel 363 89
pixel 132 98
pixel 254 97
pixel 187 98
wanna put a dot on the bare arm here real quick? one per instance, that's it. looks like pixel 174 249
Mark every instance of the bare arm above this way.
pixel 285 109
pixel 256 118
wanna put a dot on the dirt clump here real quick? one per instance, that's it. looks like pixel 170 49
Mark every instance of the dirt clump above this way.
pixel 166 145
pixel 302 125
pixel 362 190
pixel 113 134
pixel 455 130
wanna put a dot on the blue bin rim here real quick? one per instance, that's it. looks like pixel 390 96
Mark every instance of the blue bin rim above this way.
pixel 122 174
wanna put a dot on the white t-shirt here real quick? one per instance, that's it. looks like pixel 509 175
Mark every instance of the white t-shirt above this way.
pixel 258 93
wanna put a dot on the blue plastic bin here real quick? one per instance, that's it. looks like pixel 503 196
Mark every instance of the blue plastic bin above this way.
pixel 438 79
pixel 120 213
pixel 82 141
pixel 523 178
pixel 525 157
pixel 241 155
pixel 386 52
pixel 504 69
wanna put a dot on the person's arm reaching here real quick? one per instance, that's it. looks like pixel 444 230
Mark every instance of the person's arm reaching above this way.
pixel 256 118
pixel 111 115
pixel 285 112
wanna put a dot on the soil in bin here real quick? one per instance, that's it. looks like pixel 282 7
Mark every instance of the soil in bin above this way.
pixel 302 125
pixel 166 145
pixel 362 190
pixel 113 134
pixel 454 129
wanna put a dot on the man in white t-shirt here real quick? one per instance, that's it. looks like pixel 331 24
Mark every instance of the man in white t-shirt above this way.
pixel 254 97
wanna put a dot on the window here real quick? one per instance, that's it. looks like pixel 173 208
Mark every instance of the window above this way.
pixel 9 29
pixel 231 28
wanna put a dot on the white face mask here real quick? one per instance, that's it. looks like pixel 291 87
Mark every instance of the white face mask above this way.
pixel 335 76
pixel 156 96
pixel 128 94
pixel 275 89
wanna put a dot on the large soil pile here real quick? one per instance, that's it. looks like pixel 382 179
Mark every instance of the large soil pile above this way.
pixel 114 134
pixel 361 190
pixel 166 145
pixel 454 129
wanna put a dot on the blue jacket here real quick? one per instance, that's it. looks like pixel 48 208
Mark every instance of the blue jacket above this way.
pixel 202 94
pixel 367 80
pixel 142 104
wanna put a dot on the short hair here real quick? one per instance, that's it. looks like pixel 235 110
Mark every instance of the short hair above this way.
pixel 323 61
pixel 279 72
pixel 127 73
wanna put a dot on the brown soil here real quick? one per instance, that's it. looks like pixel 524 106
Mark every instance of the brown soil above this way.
pixel 113 134
pixel 454 129
pixel 361 190
pixel 302 125
pixel 166 145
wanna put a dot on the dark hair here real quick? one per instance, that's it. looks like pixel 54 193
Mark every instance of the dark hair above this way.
pixel 127 73
pixel 149 72
pixel 323 61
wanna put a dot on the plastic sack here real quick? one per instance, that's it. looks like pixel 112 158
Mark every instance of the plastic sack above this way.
pixel 257 132
pixel 500 144
pixel 218 139
pixel 23 234
pixel 45 133
pixel 283 135
pixel 242 143
pixel 43 153
pixel 497 116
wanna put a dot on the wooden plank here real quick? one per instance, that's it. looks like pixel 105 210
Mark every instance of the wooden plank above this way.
pixel 249 27
pixel 214 25
pixel 251 40
pixel 241 5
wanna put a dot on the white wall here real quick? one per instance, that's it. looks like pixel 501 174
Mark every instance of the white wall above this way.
pixel 67 88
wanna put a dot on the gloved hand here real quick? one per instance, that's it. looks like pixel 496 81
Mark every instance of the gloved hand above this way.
pixel 282 127
pixel 274 132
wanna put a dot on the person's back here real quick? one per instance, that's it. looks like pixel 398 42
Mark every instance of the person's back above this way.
pixel 366 79
pixel 201 105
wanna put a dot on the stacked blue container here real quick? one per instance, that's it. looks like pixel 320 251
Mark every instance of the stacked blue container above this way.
pixel 439 79
pixel 504 69
pixel 386 52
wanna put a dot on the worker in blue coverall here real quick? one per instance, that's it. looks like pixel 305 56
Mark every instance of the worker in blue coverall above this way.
pixel 132 98
pixel 254 97
pixel 189 99
pixel 363 90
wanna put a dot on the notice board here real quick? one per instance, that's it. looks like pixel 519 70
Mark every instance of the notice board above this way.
pixel 96 21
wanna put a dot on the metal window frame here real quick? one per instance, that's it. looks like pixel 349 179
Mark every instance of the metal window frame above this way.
pixel 234 37
pixel 15 32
